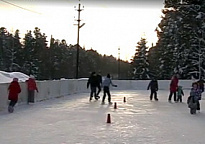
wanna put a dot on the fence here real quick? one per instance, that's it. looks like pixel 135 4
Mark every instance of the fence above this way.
pixel 59 88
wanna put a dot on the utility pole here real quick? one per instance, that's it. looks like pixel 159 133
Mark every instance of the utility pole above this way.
pixel 78 35
pixel 118 63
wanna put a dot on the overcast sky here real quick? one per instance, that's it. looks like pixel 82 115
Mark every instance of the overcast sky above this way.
pixel 109 24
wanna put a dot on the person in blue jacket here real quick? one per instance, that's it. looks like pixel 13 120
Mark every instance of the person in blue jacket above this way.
pixel 106 88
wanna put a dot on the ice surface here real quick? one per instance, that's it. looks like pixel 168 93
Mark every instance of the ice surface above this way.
pixel 75 120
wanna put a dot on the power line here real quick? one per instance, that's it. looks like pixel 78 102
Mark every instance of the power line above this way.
pixel 20 7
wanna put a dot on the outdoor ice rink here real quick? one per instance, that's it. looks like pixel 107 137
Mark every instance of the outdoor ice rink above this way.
pixel 74 120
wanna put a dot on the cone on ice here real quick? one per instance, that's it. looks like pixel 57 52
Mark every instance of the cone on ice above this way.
pixel 124 100
pixel 108 118
pixel 115 105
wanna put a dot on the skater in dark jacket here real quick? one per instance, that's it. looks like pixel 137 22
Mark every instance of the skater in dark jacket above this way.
pixel 93 83
pixel 153 86
pixel 14 90
pixel 99 77
pixel 201 84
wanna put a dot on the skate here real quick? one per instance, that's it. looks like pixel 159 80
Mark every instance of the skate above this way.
pixel 156 99
pixel 10 109
pixel 90 99
pixel 192 111
pixel 97 97
pixel 110 103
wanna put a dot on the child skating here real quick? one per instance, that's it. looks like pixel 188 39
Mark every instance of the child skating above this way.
pixel 193 99
pixel 180 93
pixel 14 90
pixel 153 86
pixel 106 89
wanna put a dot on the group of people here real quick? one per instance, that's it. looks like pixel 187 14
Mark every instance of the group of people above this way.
pixel 14 89
pixel 95 81
pixel 176 90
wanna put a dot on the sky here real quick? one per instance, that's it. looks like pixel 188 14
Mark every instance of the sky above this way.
pixel 109 24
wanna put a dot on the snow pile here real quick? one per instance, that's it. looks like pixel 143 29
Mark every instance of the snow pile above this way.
pixel 7 77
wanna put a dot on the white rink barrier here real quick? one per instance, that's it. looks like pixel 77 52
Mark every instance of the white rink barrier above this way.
pixel 60 88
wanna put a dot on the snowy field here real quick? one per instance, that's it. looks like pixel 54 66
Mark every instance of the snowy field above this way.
pixel 75 120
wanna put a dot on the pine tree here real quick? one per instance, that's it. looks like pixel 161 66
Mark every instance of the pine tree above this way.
pixel 140 62
pixel 180 39
pixel 28 67
pixel 40 52
pixel 5 44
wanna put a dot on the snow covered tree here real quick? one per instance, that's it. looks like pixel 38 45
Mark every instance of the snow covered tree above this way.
pixel 140 63
pixel 5 44
pixel 18 60
pixel 166 46
pixel 10 50
pixel 29 65
pixel 153 62
pixel 181 44
pixel 40 52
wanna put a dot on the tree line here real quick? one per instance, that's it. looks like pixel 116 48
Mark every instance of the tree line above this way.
pixel 33 56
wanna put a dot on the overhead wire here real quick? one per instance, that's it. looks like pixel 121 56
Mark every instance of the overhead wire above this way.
pixel 15 5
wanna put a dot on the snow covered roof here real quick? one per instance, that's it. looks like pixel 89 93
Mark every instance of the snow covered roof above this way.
pixel 7 77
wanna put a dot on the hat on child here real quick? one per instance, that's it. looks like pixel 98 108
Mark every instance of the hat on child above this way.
pixel 15 79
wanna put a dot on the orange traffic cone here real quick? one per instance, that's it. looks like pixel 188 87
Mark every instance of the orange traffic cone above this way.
pixel 124 99
pixel 108 118
pixel 115 105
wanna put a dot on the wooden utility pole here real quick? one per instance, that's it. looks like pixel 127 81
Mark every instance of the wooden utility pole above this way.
pixel 77 53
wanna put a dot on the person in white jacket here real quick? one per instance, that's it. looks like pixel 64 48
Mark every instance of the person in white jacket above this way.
pixel 106 88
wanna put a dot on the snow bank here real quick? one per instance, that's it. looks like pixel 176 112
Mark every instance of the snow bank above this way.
pixel 7 77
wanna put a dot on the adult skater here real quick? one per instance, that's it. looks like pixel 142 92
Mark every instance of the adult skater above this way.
pixel 14 90
pixel 173 88
pixel 201 84
pixel 93 83
pixel 106 89
pixel 153 86
pixel 99 77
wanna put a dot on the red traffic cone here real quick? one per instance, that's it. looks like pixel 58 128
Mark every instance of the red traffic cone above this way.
pixel 115 105
pixel 108 118
pixel 124 99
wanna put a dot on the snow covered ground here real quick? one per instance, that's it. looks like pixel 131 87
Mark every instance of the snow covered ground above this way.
pixel 75 120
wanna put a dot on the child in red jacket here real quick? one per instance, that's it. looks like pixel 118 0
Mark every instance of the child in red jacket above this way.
pixel 31 85
pixel 14 90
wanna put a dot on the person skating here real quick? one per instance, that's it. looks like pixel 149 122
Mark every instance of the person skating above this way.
pixel 14 90
pixel 93 83
pixel 173 88
pixel 180 93
pixel 201 84
pixel 153 86
pixel 31 86
pixel 193 99
pixel 106 89
pixel 99 77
